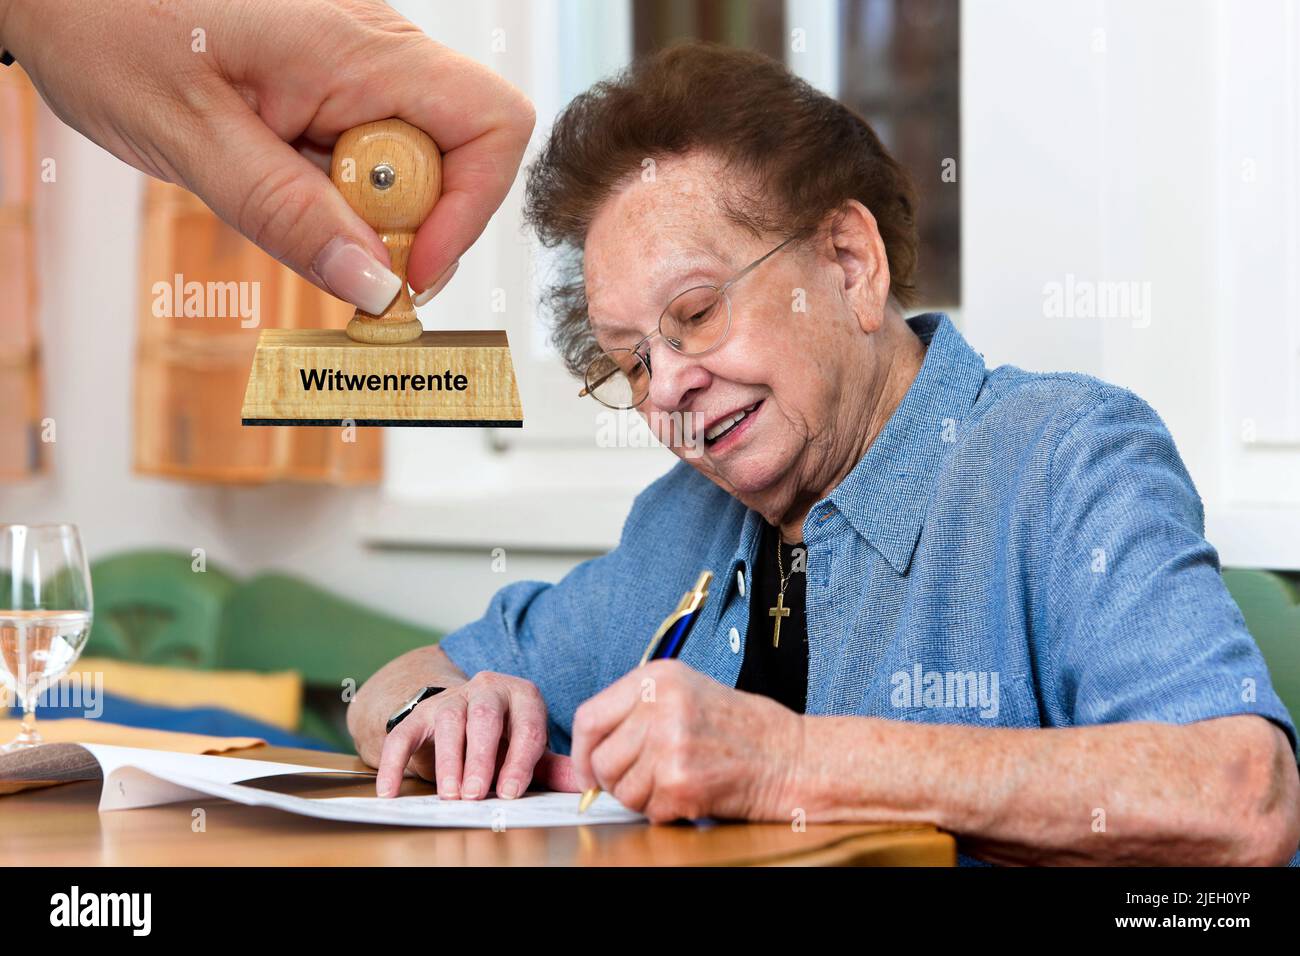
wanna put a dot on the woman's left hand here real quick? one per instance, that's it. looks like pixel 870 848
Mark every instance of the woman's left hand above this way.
pixel 669 742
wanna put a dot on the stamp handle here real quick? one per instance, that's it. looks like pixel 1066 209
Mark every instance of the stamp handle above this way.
pixel 391 174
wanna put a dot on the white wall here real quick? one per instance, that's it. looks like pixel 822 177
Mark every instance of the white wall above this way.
pixel 1105 141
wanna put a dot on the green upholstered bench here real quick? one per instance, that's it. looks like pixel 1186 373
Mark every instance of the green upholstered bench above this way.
pixel 1270 603
pixel 153 608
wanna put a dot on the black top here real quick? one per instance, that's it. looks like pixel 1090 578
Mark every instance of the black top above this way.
pixel 779 672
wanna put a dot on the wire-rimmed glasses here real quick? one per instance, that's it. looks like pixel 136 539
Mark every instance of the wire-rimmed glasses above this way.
pixel 694 322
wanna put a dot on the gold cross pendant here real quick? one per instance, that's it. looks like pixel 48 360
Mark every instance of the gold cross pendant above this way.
pixel 777 613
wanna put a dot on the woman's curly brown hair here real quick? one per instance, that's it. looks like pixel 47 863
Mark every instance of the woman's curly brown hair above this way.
pixel 802 154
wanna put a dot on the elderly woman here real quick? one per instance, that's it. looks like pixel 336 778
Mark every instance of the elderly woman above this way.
pixel 980 598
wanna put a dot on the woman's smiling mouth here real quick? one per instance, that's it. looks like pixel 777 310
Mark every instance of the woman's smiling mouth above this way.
pixel 725 432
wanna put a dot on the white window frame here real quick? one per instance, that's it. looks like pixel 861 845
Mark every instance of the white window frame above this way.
pixel 1255 520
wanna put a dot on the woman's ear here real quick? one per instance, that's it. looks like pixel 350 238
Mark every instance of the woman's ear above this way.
pixel 862 258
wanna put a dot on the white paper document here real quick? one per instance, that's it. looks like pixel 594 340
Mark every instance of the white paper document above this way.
pixel 137 777
pixel 134 777
pixel 530 810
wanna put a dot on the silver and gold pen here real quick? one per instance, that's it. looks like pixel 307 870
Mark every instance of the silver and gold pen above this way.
pixel 668 642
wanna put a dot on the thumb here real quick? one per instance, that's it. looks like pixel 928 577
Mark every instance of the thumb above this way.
pixel 554 772
pixel 284 203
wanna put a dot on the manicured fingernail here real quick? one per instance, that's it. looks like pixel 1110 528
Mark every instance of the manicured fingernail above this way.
pixel 448 788
pixel 352 273
pixel 473 787
pixel 438 284
pixel 509 789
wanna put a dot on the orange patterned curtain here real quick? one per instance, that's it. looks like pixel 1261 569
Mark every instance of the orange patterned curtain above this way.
pixel 22 453
pixel 203 286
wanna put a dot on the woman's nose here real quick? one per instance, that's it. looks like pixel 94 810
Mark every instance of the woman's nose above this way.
pixel 674 377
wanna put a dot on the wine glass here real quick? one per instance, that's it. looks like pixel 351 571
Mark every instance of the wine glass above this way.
pixel 45 613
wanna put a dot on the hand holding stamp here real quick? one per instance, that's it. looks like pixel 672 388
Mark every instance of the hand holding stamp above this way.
pixel 391 175
pixel 385 370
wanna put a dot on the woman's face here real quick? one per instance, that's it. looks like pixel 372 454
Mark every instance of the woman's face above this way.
pixel 796 361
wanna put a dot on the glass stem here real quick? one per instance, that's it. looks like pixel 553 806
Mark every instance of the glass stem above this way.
pixel 27 735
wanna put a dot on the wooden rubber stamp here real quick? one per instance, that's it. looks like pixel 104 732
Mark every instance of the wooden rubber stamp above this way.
pixel 384 369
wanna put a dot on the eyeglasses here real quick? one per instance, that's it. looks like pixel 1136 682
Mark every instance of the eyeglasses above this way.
pixel 695 322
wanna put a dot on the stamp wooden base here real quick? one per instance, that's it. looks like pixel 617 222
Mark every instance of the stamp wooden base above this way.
pixel 383 370
pixel 322 377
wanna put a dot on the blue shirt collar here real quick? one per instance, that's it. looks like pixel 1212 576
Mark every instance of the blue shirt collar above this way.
pixel 886 495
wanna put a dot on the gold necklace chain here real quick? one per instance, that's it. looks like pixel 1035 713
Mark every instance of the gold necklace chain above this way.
pixel 780 567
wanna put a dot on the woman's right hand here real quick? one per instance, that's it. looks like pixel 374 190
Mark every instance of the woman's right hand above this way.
pixel 492 727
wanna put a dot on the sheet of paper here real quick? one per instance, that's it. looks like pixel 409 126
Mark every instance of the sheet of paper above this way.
pixel 530 810
pixel 135 777
pixel 143 778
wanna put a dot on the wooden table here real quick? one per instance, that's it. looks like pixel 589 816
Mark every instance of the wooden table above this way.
pixel 60 826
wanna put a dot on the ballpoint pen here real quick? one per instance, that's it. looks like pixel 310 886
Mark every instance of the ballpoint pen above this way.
pixel 668 642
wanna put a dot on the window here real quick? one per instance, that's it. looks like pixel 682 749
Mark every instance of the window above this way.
pixel 899 68
pixel 754 24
